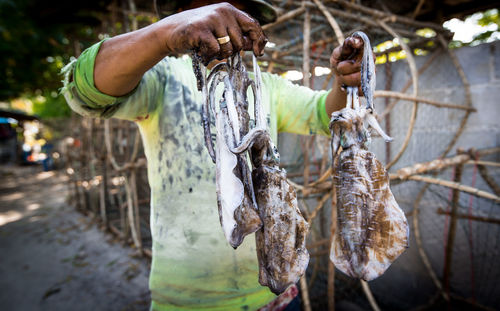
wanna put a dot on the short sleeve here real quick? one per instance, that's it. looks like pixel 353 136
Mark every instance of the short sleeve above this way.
pixel 299 109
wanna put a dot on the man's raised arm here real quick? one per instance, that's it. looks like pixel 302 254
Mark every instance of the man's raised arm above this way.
pixel 122 60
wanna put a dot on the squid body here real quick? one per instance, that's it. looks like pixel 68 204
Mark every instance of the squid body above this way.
pixel 372 231
pixel 259 200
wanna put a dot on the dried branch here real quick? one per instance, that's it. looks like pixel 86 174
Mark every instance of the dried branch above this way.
pixel 369 295
pixel 332 21
pixel 490 220
pixel 284 18
pixel 407 97
pixel 457 186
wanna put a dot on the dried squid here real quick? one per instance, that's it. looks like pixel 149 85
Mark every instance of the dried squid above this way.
pixel 372 231
pixel 235 197
pixel 261 201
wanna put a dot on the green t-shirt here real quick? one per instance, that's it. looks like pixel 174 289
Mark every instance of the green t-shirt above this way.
pixel 193 265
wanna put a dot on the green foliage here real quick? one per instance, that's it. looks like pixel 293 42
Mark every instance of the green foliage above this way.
pixel 489 21
pixel 489 17
pixel 36 39
pixel 50 105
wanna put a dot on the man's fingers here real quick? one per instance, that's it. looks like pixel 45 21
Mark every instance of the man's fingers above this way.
pixel 236 36
pixel 353 79
pixel 351 47
pixel 209 47
pixel 247 43
pixel 347 67
pixel 225 44
pixel 251 29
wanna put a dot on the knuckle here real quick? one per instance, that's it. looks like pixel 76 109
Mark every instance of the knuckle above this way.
pixel 224 6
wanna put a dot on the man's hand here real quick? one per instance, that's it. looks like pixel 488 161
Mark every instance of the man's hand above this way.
pixel 122 60
pixel 345 62
pixel 198 29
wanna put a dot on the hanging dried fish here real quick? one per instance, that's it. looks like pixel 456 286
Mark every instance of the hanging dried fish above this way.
pixel 263 199
pixel 372 231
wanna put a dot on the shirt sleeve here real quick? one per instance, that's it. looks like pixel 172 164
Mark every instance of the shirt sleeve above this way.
pixel 84 98
pixel 299 109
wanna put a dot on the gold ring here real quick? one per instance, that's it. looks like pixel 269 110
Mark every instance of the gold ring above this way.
pixel 223 40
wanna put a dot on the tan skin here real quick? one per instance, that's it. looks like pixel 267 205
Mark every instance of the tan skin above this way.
pixel 122 60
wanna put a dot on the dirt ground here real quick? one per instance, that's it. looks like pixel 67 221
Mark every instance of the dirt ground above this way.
pixel 54 258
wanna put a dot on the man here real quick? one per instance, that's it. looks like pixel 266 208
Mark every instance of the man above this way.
pixel 131 77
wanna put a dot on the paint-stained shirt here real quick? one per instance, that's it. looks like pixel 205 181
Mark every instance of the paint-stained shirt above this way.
pixel 193 265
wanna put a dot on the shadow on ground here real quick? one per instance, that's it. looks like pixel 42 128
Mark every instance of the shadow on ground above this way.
pixel 54 258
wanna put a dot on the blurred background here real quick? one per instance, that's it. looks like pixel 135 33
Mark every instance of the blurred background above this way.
pixel 74 198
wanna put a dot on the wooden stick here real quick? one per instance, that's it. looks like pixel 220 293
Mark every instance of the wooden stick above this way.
pixel 327 80
pixel 483 163
pixel 306 69
pixel 137 215
pixel 319 243
pixel 369 295
pixel 452 230
pixel 483 171
pixel 284 18
pixel 318 207
pixel 323 177
pixel 404 96
pixel 414 75
pixel 468 96
pixel 368 21
pixel 392 17
pixel 424 67
pixel 417 9
pixel 437 164
pixel 331 266
pixel 441 211
pixel 457 186
pixel 418 239
pixel 130 213
pixel 332 21
pixel 305 293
